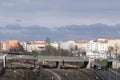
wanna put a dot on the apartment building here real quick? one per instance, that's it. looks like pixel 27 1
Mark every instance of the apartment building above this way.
pixel 98 45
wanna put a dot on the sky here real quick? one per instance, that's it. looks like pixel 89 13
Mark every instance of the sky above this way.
pixel 59 19
pixel 57 13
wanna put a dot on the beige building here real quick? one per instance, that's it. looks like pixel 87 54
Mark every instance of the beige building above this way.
pixel 3 46
pixel 33 45
pixel 55 45
pixel 82 44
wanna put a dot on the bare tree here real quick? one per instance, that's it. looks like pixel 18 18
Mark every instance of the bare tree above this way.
pixel 116 48
pixel 49 50
pixel 82 52
pixel 71 49
pixel 110 51
pixel 74 50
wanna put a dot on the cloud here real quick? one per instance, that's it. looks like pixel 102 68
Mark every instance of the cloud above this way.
pixel 59 12
pixel 18 20
pixel 71 32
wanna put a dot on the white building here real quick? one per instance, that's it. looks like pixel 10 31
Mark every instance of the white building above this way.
pixel 55 45
pixel 33 45
pixel 99 45
pixel 36 45
pixel 67 45
pixel 97 48
pixel 97 55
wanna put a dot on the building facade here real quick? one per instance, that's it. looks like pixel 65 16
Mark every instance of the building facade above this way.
pixel 31 46
pixel 12 45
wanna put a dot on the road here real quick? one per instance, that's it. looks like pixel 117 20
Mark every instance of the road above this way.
pixel 109 75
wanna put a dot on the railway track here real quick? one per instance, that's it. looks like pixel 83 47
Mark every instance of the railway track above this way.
pixel 93 75
pixel 100 76
pixel 76 74
pixel 54 74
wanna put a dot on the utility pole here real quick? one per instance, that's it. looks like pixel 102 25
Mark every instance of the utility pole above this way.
pixel 59 49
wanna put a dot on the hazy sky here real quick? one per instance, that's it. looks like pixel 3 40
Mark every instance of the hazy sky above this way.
pixel 54 13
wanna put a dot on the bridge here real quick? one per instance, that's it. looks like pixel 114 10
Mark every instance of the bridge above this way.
pixel 58 59
pixel 38 58
pixel 46 58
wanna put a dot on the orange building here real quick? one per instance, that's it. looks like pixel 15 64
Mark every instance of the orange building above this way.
pixel 12 45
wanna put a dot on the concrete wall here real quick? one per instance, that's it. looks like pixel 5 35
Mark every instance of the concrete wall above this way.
pixel 115 64
pixel 90 63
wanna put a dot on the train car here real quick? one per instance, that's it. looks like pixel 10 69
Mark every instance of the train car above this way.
pixel 15 53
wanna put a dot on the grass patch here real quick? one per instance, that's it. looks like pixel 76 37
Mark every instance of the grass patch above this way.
pixel 102 63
